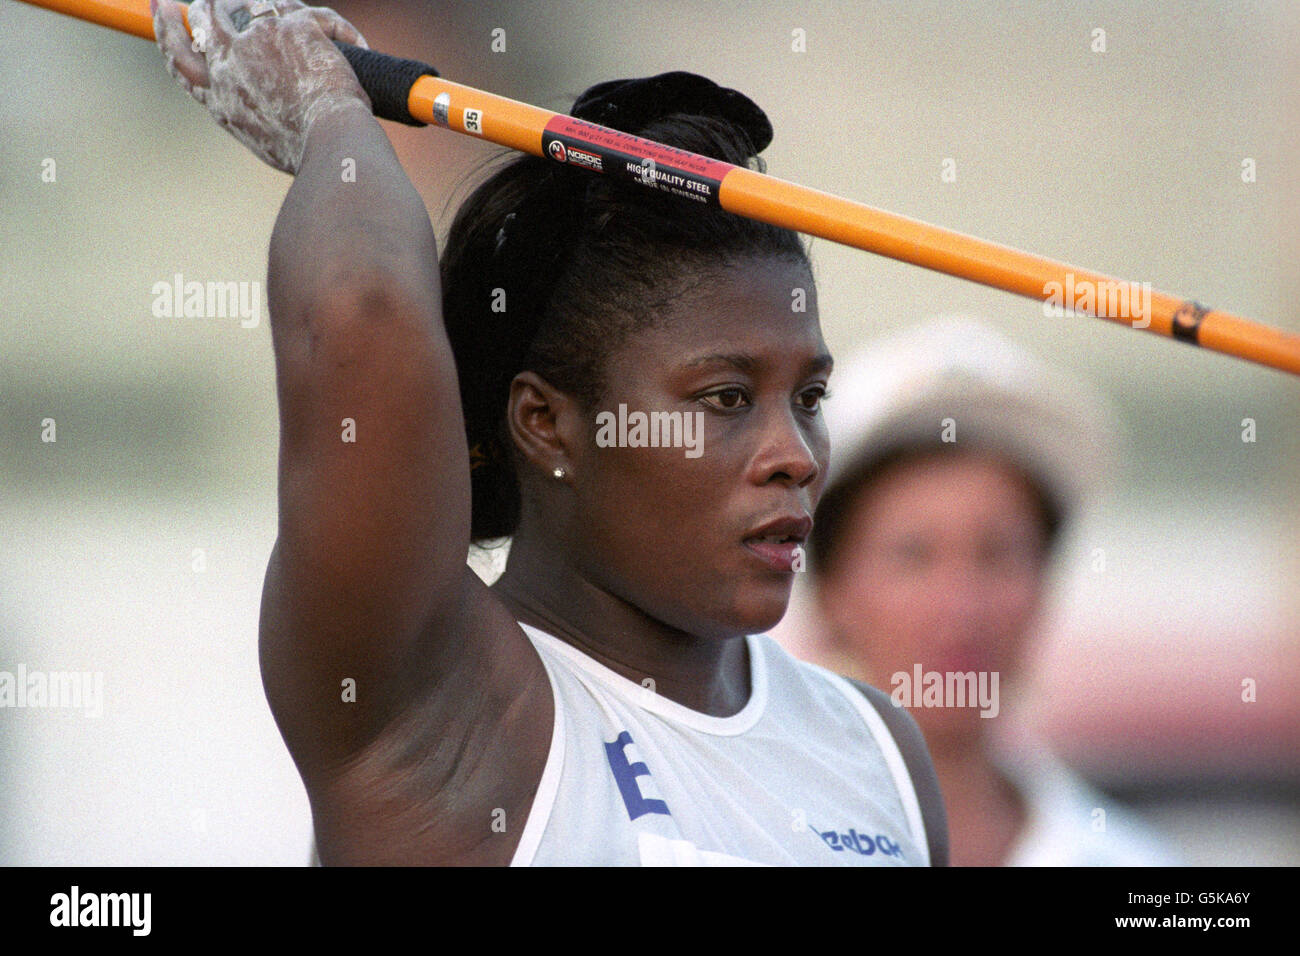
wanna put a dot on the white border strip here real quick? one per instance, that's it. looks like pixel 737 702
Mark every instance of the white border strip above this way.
pixel 539 815
pixel 893 759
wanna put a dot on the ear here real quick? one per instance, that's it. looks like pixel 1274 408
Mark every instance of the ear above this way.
pixel 545 423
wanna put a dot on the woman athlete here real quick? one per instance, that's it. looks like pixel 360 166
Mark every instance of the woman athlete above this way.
pixel 609 700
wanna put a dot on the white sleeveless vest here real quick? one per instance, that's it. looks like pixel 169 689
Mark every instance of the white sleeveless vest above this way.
pixel 807 774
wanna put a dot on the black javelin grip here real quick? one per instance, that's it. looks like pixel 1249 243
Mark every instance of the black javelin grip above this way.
pixel 387 80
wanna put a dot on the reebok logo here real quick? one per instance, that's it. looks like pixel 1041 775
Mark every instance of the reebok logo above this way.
pixel 856 842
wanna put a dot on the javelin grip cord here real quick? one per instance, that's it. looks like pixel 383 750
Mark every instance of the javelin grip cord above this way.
pixel 387 80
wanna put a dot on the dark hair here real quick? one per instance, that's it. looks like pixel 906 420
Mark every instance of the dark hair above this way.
pixel 549 268
pixel 837 503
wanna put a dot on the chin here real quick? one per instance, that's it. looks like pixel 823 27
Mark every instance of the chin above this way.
pixel 750 607
pixel 762 609
pixel 951 729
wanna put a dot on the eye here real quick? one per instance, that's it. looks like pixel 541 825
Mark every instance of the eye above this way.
pixel 1008 552
pixel 912 554
pixel 810 399
pixel 726 399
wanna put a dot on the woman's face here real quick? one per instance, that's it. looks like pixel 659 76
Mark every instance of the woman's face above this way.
pixel 703 536
pixel 940 564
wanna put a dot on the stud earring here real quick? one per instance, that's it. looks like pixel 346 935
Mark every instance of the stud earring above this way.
pixel 559 472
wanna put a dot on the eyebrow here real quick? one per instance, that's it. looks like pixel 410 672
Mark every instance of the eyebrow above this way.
pixel 749 364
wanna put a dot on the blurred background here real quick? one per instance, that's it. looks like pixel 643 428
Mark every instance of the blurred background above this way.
pixel 135 544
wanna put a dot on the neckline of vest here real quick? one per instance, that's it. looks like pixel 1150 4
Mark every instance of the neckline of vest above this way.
pixel 647 700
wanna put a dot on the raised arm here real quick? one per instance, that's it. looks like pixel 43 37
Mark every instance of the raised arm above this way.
pixel 374 474
pixel 367 582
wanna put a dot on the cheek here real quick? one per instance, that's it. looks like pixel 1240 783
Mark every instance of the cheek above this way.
pixel 647 510
pixel 876 614
pixel 899 609
pixel 690 484
pixel 1018 597
pixel 657 480
pixel 1014 603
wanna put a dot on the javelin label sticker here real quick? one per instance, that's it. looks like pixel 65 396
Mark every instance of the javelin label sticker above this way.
pixel 576 142
pixel 441 108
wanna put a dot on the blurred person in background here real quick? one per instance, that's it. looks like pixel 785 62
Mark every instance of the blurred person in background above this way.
pixel 959 458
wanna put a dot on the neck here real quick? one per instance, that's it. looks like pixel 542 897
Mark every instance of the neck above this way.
pixel 968 776
pixel 543 589
pixel 986 812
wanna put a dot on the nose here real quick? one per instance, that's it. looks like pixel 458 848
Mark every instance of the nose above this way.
pixel 790 452
pixel 961 604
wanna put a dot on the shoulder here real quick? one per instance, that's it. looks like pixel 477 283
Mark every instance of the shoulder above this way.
pixel 1072 823
pixel 911 742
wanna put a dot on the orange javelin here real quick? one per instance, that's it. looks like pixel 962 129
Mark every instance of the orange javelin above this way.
pixel 410 92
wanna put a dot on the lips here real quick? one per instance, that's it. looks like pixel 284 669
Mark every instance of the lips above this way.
pixel 777 543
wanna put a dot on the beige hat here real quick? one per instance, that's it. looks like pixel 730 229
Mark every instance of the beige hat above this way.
pixel 956 378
